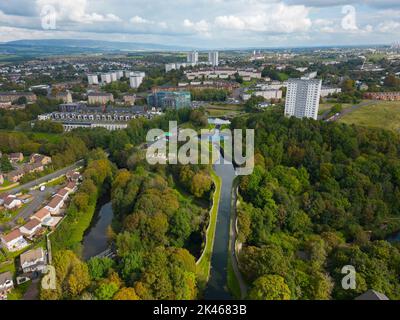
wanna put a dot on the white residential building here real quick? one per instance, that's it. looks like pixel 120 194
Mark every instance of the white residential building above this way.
pixel 136 79
pixel 34 260
pixel 14 241
pixel 120 74
pixel 55 204
pixel 269 94
pixel 12 202
pixel 114 76
pixel 106 78
pixel 30 228
pixel 93 79
pixel 170 66
pixel 302 98
pixel 326 91
pixel 193 57
pixel 213 57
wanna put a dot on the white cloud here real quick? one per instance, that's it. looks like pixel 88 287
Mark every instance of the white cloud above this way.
pixel 274 18
pixel 201 27
pixel 76 11
pixel 389 27
pixel 139 20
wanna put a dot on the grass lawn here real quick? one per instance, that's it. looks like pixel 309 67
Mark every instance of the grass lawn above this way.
pixel 56 182
pixel 50 137
pixel 19 291
pixel 216 110
pixel 8 215
pixel 8 267
pixel 385 115
pixel 7 185
pixel 204 263
pixel 233 284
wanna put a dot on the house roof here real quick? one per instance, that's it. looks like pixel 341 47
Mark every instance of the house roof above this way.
pixel 6 276
pixel 372 295
pixel 31 224
pixel 55 201
pixel 62 192
pixel 41 214
pixel 9 200
pixel 71 185
pixel 16 155
pixel 32 255
pixel 15 173
pixel 15 234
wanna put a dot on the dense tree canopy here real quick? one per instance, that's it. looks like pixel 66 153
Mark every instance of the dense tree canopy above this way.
pixel 322 195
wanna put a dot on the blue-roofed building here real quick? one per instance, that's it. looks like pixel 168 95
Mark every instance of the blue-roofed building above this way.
pixel 169 99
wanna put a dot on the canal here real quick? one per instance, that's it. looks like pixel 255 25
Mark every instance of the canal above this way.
pixel 95 240
pixel 217 288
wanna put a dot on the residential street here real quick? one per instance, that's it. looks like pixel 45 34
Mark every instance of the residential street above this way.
pixel 44 179
pixel 39 197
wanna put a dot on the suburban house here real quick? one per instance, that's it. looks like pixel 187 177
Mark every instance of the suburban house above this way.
pixel 16 157
pixel 55 204
pixel 73 176
pixel 35 167
pixel 39 158
pixel 42 215
pixel 6 284
pixel 63 193
pixel 33 261
pixel 12 202
pixel 71 187
pixel 14 241
pixel 31 228
pixel 15 175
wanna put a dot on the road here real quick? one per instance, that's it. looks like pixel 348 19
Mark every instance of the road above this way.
pixel 44 179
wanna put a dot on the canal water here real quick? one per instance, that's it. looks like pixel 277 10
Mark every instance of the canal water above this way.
pixel 95 240
pixel 217 288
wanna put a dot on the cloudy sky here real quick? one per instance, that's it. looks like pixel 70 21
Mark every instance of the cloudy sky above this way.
pixel 205 23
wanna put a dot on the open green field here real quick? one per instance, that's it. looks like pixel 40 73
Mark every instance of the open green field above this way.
pixel 323 107
pixel 385 115
pixel 220 110
pixel 50 137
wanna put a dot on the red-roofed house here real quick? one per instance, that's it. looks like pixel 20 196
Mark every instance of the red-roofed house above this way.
pixel 63 193
pixel 14 241
pixel 71 187
pixel 42 215
pixel 30 228
pixel 12 202
pixel 55 204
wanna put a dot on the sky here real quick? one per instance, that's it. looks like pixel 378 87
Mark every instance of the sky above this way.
pixel 205 23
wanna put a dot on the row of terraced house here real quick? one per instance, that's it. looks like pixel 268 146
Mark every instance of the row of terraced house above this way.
pixel 47 217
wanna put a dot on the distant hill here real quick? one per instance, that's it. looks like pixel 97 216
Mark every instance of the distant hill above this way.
pixel 92 45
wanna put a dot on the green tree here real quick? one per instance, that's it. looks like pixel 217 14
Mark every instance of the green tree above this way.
pixel 269 287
